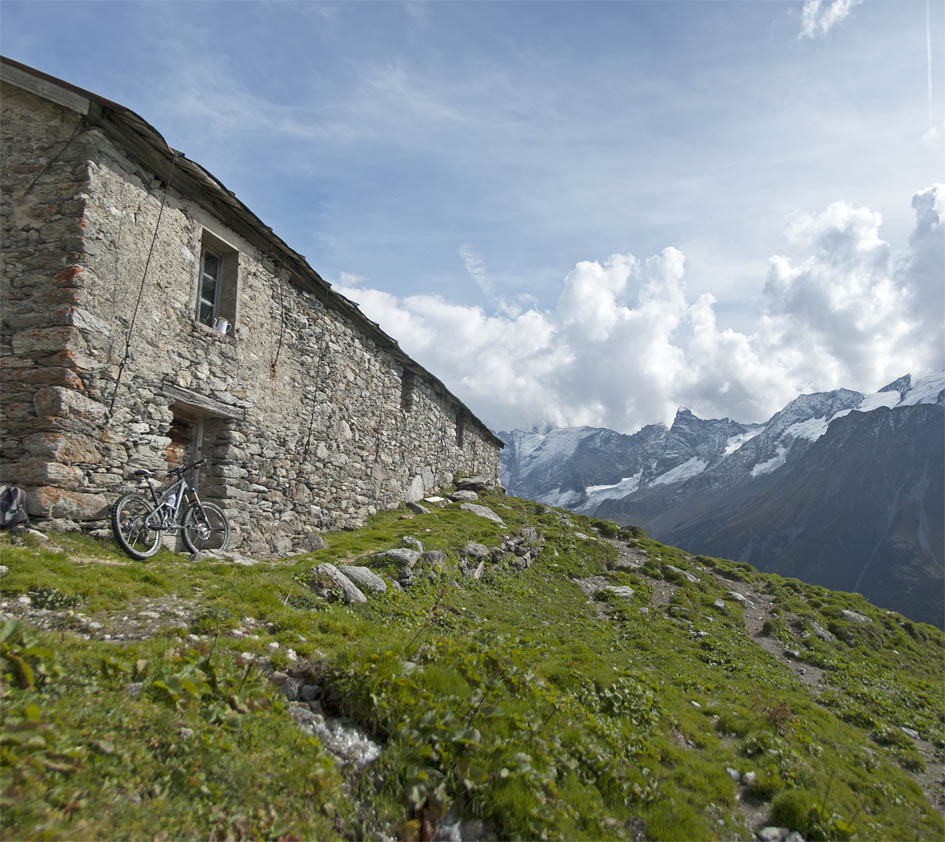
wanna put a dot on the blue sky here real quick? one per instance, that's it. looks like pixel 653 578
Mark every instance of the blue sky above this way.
pixel 536 199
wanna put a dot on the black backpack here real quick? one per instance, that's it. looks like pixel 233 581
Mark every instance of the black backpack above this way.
pixel 13 507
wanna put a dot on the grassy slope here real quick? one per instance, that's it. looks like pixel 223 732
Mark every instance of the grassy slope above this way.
pixel 515 699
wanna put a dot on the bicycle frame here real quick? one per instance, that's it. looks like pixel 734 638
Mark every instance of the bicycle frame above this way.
pixel 170 514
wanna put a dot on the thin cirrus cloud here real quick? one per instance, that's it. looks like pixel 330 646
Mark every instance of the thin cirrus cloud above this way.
pixel 626 345
pixel 819 17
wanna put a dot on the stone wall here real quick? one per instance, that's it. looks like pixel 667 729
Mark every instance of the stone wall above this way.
pixel 308 420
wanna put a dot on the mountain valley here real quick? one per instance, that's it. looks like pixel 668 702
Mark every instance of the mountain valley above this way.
pixel 839 488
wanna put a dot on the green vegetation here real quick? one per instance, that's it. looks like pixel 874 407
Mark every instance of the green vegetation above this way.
pixel 515 699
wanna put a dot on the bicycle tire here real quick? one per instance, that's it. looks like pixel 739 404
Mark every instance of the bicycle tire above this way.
pixel 205 528
pixel 137 537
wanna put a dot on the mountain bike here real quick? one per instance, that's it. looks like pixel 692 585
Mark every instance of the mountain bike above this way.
pixel 139 523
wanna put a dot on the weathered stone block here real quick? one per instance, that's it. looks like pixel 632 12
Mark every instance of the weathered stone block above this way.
pixel 53 401
pixel 40 502
pixel 47 340
pixel 36 376
pixel 329 580
pixel 68 448
pixel 364 577
pixel 39 471
pixel 482 511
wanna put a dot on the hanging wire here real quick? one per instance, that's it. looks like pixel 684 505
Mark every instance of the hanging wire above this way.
pixel 144 276
pixel 59 154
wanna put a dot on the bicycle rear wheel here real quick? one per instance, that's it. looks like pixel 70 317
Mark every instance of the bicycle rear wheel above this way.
pixel 134 526
pixel 206 528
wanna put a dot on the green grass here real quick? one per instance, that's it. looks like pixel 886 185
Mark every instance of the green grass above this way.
pixel 514 699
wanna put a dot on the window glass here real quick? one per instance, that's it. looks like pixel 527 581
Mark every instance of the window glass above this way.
pixel 209 281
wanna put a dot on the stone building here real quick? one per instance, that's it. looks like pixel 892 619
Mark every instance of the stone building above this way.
pixel 149 317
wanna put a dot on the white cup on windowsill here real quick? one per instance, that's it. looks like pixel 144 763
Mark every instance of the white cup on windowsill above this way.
pixel 221 324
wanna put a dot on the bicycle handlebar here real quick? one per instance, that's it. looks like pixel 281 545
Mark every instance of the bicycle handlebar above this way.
pixel 185 468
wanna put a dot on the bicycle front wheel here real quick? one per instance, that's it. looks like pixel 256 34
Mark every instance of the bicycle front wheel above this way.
pixel 206 528
pixel 135 526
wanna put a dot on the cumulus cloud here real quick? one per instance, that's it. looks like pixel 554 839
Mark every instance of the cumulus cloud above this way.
pixel 819 17
pixel 625 344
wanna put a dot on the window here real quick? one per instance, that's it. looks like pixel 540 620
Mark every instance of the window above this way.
pixel 216 285
pixel 459 429
pixel 211 267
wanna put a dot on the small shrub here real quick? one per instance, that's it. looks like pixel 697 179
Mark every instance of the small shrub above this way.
pixel 730 722
pixel 765 787
pixel 606 528
pixel 911 760
pixel 791 809
pixel 52 599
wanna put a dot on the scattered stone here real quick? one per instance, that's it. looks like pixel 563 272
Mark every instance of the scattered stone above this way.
pixel 453 829
pixel 224 555
pixel 309 692
pixel 741 599
pixel 733 774
pixel 482 511
pixel 411 543
pixel 4 570
pixel 434 499
pixel 620 590
pixel 855 616
pixel 37 534
pixel 719 603
pixel 278 677
pixel 689 577
pixel 403 556
pixel 291 688
pixel 467 496
pixel 772 834
pixel 821 632
pixel 329 579
pixel 645 611
pixel 474 484
pixel 530 534
pixel 477 573
pixel 312 542
pixel 417 508
pixel 474 550
pixel 793 654
pixel 909 732
pixel 134 689
pixel 584 537
pixel 435 559
pixel 592 584
pixel 794 836
pixel 349 745
pixel 749 778
pixel 363 577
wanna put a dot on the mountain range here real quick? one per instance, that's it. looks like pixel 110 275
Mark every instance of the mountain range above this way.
pixel 839 488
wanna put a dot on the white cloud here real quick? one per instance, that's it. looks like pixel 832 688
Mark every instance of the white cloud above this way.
pixel 625 345
pixel 819 17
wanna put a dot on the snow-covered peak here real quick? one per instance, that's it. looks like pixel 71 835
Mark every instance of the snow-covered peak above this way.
pixel 929 389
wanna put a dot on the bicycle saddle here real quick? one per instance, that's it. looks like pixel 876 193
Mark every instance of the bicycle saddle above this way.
pixel 143 473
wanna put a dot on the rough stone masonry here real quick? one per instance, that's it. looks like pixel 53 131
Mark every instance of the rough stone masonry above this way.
pixel 309 415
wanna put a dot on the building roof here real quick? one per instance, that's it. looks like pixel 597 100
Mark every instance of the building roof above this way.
pixel 145 145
